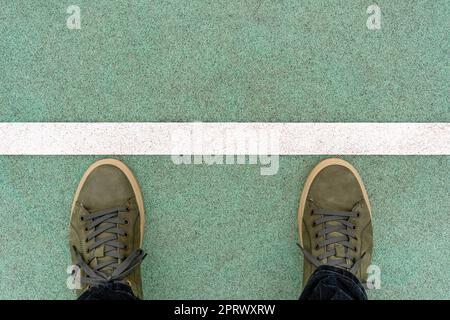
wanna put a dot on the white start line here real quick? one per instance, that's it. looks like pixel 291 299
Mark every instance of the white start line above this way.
pixel 173 138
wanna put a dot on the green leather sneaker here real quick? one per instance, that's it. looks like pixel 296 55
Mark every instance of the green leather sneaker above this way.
pixel 334 220
pixel 107 226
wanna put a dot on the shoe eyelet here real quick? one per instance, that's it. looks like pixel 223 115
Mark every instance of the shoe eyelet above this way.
pixel 317 235
pixel 357 214
pixel 86 229
pixel 86 240
pixel 312 211
pixel 317 247
pixel 81 218
pixel 354 227
pixel 126 221
pixel 126 247
pixel 125 235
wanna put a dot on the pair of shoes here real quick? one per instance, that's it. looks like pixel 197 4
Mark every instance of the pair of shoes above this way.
pixel 107 223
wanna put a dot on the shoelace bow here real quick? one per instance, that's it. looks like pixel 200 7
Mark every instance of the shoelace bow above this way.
pixel 107 222
pixel 345 230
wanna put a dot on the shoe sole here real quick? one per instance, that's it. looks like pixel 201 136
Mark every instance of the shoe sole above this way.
pixel 312 175
pixel 131 178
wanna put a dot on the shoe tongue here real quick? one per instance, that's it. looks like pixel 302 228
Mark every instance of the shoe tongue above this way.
pixel 102 251
pixel 340 249
pixel 100 258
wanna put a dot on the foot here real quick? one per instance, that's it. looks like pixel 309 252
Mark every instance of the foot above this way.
pixel 107 226
pixel 334 220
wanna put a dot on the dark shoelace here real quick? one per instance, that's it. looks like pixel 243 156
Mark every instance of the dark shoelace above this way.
pixel 107 222
pixel 336 222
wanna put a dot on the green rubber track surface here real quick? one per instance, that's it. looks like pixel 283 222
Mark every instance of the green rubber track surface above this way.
pixel 225 231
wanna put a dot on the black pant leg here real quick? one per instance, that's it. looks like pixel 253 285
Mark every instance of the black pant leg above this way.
pixel 110 291
pixel 331 283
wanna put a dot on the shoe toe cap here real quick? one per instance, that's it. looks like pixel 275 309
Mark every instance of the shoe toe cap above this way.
pixel 107 186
